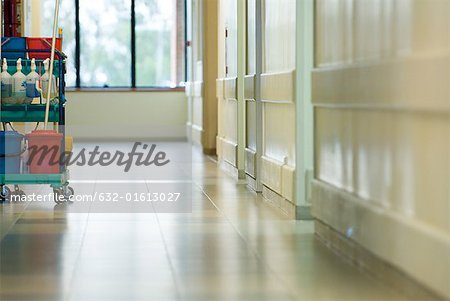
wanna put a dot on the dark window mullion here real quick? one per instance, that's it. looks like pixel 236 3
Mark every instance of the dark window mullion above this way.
pixel 133 43
pixel 185 41
pixel 77 43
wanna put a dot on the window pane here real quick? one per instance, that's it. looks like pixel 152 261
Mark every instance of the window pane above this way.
pixel 105 29
pixel 67 23
pixel 157 40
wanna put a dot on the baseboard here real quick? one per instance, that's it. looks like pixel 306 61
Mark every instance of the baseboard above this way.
pixel 279 177
pixel 189 131
pixel 250 162
pixel 210 151
pixel 228 168
pixel 196 134
pixel 251 182
pixel 227 150
pixel 279 202
pixel 412 247
pixel 371 264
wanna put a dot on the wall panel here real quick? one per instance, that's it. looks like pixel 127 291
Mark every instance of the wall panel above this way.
pixel 250 93
pixel 279 35
pixel 381 94
pixel 251 37
pixel 278 94
pixel 227 24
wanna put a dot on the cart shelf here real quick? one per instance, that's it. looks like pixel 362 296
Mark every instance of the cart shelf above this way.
pixel 28 113
pixel 31 179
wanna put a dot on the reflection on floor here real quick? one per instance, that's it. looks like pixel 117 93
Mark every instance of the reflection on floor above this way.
pixel 231 247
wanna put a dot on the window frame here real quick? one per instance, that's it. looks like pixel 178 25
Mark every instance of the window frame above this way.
pixel 181 47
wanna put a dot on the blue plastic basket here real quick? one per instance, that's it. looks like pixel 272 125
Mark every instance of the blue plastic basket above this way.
pixel 14 44
pixel 10 152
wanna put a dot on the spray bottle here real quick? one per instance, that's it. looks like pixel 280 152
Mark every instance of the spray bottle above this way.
pixel 32 78
pixel 20 84
pixel 6 84
pixel 44 83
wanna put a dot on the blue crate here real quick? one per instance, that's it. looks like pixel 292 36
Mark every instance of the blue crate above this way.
pixel 14 44
pixel 10 151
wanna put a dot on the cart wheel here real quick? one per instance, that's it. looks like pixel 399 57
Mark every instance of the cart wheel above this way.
pixel 18 191
pixel 58 192
pixel 67 192
pixel 5 193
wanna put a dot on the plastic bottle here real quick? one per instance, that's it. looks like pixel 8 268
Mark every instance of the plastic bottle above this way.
pixel 32 78
pixel 20 84
pixel 44 83
pixel 6 84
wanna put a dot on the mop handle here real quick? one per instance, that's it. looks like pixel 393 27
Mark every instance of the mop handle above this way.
pixel 52 62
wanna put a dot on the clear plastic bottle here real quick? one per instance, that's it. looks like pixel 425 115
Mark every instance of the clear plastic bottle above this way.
pixel 32 78
pixel 20 84
pixel 7 83
pixel 45 81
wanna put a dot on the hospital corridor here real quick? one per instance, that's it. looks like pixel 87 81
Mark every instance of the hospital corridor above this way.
pixel 225 150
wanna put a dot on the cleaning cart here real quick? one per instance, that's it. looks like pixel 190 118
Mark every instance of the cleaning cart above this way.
pixel 13 147
pixel 18 109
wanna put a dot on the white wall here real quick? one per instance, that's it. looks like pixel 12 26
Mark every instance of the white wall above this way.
pixel 32 11
pixel 194 87
pixel 227 140
pixel 201 85
pixel 382 106
pixel 278 96
pixel 127 115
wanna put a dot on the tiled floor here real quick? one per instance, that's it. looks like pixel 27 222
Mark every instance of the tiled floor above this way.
pixel 231 247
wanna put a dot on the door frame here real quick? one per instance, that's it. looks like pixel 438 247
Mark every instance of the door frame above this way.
pixel 242 72
pixel 304 108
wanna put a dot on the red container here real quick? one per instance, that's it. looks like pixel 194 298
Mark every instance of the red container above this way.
pixel 44 149
pixel 42 44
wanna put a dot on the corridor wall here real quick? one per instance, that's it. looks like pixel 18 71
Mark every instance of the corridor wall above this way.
pixel 227 140
pixel 382 111
pixel 250 96
pixel 277 93
pixel 278 97
pixel 194 85
pixel 167 122
pixel 202 70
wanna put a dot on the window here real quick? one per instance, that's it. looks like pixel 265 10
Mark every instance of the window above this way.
pixel 121 43
pixel 105 48
pixel 67 22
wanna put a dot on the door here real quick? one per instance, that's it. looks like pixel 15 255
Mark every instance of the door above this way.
pixel 278 97
pixel 227 141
